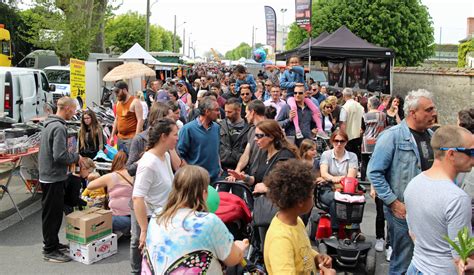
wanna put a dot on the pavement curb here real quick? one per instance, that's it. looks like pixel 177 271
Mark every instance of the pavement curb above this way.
pixel 15 218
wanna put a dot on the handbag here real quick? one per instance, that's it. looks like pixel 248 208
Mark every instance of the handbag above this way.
pixel 263 211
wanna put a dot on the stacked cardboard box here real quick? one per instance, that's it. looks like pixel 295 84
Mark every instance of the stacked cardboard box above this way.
pixel 90 235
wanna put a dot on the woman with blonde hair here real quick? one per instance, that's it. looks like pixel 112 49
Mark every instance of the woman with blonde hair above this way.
pixel 336 109
pixel 328 121
pixel 183 237
pixel 141 96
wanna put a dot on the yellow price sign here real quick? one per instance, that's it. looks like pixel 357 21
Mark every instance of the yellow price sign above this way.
pixel 78 79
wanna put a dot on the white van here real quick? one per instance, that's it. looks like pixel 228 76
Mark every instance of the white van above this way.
pixel 59 76
pixel 23 93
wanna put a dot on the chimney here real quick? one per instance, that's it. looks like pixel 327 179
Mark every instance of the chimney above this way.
pixel 470 25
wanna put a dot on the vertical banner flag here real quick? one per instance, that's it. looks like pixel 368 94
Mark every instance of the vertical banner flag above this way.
pixel 78 79
pixel 270 18
pixel 303 14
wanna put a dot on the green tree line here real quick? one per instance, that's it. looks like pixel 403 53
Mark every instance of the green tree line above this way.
pixel 74 28
pixel 402 25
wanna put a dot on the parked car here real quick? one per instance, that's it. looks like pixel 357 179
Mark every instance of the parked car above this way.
pixel 39 59
pixel 59 76
pixel 318 75
pixel 24 93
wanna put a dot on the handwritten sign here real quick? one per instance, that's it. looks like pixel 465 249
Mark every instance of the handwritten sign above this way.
pixel 78 79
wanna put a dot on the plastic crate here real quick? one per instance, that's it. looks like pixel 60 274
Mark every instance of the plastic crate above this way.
pixel 349 212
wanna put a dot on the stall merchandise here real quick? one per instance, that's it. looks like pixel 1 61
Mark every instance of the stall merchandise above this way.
pixel 94 251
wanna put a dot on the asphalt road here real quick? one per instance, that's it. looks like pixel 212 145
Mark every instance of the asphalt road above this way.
pixel 21 244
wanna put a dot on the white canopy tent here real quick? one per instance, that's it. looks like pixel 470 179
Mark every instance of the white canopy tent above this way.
pixel 137 52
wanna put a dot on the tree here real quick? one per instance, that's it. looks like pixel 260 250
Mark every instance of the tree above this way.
pixel 69 27
pixel 295 37
pixel 463 49
pixel 243 50
pixel 123 31
pixel 402 25
pixel 14 22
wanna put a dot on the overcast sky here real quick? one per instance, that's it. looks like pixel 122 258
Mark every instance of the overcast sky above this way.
pixel 224 24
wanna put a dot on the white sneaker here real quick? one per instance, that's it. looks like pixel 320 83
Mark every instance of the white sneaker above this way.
pixel 299 135
pixel 379 243
pixel 388 253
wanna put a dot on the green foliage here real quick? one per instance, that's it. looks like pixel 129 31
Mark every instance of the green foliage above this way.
pixel 66 26
pixel 403 25
pixel 465 241
pixel 15 23
pixel 123 31
pixel 463 49
pixel 296 36
pixel 243 50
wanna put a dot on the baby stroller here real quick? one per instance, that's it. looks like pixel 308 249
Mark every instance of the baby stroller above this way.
pixel 234 210
pixel 347 252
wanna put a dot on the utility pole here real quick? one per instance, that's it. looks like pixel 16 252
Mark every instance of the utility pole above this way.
pixel 184 41
pixel 174 35
pixel 253 32
pixel 147 28
pixel 189 45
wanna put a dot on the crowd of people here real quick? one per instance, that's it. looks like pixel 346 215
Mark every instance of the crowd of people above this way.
pixel 218 123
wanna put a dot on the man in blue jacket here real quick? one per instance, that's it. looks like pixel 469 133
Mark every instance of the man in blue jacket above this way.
pixel 401 153
pixel 199 140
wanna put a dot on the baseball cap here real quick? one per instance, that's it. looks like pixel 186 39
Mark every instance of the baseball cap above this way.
pixel 181 82
pixel 120 85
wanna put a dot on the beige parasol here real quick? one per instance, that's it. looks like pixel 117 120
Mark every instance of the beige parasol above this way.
pixel 128 71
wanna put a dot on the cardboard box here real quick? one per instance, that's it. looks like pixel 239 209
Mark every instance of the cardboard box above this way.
pixel 94 251
pixel 88 225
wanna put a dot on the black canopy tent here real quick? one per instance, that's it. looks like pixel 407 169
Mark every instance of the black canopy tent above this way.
pixel 352 61
pixel 301 47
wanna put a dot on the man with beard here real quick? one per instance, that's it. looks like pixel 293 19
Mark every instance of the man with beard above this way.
pixel 233 134
pixel 198 142
pixel 128 119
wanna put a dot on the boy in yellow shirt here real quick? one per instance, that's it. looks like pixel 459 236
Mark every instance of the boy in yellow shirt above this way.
pixel 287 247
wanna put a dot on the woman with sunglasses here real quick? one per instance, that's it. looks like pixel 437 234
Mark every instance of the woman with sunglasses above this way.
pixel 328 121
pixel 336 164
pixel 274 147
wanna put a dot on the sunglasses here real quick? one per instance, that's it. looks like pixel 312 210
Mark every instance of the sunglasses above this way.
pixel 299 93
pixel 245 93
pixel 468 151
pixel 341 141
pixel 328 107
pixel 314 90
pixel 259 136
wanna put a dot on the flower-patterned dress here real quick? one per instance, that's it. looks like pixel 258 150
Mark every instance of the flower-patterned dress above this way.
pixel 193 243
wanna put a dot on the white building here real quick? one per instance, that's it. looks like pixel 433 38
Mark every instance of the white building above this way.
pixel 282 36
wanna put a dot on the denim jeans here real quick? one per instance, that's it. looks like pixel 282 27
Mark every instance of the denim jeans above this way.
pixel 121 224
pixel 412 270
pixel 402 245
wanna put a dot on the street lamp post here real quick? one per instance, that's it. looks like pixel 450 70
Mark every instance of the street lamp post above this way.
pixel 184 41
pixel 283 28
pixel 174 33
pixel 189 44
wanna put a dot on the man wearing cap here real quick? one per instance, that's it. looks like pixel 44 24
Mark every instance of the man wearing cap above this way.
pixel 128 118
